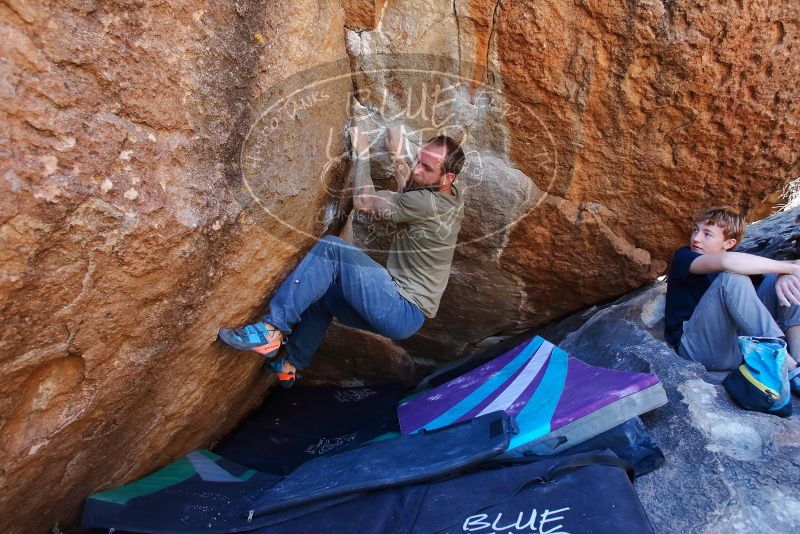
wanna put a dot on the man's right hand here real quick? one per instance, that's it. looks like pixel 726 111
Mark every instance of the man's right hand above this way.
pixel 396 146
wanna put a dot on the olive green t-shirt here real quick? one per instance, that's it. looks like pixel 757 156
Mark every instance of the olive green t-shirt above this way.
pixel 423 245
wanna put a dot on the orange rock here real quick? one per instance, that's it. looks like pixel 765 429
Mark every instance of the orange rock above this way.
pixel 146 199
pixel 624 119
pixel 127 236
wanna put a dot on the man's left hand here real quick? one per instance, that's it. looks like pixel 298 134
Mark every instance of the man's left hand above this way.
pixel 360 142
pixel 787 288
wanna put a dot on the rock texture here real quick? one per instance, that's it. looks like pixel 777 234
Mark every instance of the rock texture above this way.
pixel 777 237
pixel 127 236
pixel 593 131
pixel 164 165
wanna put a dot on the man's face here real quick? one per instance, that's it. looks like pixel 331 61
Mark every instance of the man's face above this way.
pixel 428 169
pixel 709 239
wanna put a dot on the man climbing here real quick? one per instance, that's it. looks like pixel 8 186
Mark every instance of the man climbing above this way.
pixel 336 279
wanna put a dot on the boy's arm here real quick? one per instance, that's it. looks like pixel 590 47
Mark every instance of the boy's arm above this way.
pixel 741 263
pixel 787 287
pixel 396 145
pixel 365 198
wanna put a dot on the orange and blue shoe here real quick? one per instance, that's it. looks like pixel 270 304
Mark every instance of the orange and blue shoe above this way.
pixel 260 337
pixel 284 371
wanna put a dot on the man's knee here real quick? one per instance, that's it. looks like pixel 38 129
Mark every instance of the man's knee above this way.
pixel 335 244
pixel 330 244
pixel 345 252
pixel 333 239
pixel 402 332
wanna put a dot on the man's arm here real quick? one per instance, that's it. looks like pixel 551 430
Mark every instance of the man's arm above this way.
pixel 365 197
pixel 787 287
pixel 396 145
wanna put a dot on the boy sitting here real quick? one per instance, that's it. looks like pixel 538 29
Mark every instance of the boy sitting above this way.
pixel 711 299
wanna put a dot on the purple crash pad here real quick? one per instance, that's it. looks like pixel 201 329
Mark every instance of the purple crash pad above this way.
pixel 556 400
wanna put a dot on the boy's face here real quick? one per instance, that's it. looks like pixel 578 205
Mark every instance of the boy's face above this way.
pixel 709 239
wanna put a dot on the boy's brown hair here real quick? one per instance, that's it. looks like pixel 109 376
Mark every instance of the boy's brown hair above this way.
pixel 730 220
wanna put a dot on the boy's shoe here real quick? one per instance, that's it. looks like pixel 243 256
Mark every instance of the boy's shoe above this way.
pixel 794 380
pixel 260 337
pixel 284 371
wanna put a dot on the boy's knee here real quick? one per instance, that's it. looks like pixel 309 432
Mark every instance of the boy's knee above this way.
pixel 733 279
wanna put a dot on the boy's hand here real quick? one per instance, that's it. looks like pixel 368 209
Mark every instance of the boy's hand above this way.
pixel 360 143
pixel 787 288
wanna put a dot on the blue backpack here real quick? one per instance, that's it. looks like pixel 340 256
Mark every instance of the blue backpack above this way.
pixel 760 383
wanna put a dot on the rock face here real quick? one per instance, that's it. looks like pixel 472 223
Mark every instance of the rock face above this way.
pixel 593 131
pixel 127 236
pixel 164 166
pixel 777 237
pixel 726 469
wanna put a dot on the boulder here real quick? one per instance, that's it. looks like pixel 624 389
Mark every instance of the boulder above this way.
pixel 593 131
pixel 164 166
pixel 128 234
pixel 777 237
pixel 726 469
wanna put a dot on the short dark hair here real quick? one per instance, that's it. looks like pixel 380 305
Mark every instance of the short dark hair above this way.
pixel 454 156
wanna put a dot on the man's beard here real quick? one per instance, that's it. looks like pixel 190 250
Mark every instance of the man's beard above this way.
pixel 414 184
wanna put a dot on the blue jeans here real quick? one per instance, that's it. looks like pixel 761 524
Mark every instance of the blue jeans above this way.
pixel 732 307
pixel 336 279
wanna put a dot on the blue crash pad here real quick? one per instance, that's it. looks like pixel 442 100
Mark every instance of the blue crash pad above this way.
pixel 204 492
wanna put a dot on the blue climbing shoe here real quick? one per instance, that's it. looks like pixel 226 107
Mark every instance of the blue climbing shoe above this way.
pixel 284 371
pixel 260 337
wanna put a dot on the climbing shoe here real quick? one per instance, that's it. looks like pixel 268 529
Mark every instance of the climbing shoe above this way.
pixel 260 337
pixel 284 371
pixel 794 380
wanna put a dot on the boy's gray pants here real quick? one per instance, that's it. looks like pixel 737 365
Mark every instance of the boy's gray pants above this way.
pixel 732 307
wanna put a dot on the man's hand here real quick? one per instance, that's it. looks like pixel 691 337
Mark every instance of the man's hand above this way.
pixel 365 198
pixel 396 146
pixel 395 142
pixel 787 288
pixel 360 143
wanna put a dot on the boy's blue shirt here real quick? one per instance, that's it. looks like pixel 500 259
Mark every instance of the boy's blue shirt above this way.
pixel 684 291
